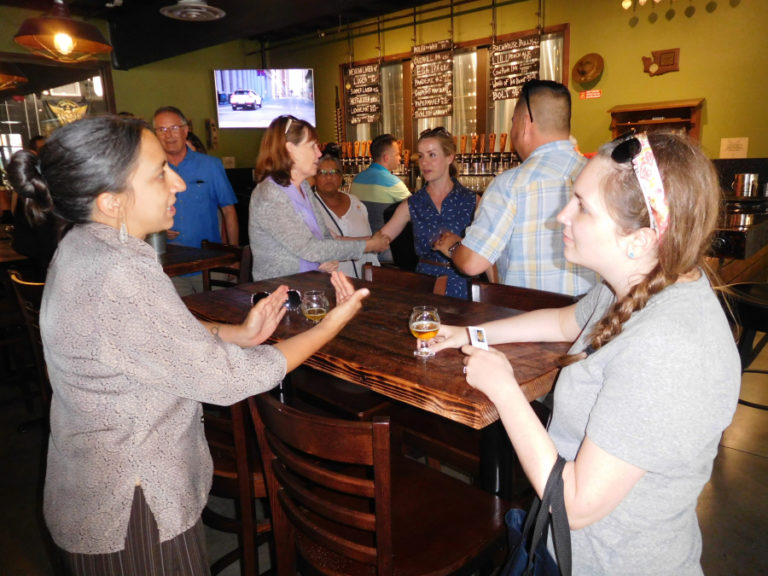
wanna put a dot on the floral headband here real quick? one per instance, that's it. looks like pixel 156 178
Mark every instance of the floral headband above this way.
pixel 638 149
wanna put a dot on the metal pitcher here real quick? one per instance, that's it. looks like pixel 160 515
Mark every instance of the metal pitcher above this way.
pixel 745 185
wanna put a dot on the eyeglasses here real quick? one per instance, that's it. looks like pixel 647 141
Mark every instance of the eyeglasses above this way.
pixel 175 129
pixel 328 172
pixel 430 132
pixel 292 303
pixel 526 93
pixel 637 149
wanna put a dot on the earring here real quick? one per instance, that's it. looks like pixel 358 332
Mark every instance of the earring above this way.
pixel 631 255
pixel 122 234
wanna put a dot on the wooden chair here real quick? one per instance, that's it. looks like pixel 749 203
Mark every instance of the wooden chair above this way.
pixel 29 296
pixel 344 502
pixel 237 475
pixel 242 271
pixel 517 297
pixel 399 278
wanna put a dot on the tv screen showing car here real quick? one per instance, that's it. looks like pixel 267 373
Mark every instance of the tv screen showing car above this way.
pixel 252 98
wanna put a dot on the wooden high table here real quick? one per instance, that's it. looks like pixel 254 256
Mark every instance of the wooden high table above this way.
pixel 375 350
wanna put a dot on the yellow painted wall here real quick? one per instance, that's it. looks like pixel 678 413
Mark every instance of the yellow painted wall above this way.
pixel 723 58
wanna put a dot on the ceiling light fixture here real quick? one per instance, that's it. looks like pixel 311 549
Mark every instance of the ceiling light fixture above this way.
pixel 192 11
pixel 57 36
pixel 10 76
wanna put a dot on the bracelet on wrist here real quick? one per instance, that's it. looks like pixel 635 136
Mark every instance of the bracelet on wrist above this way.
pixel 453 247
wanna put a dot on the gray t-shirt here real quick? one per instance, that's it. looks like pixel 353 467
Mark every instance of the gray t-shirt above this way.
pixel 658 396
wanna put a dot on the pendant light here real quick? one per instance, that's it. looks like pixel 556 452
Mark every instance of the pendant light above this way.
pixel 57 36
pixel 10 76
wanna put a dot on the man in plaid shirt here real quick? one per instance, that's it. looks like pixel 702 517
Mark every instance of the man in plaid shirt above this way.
pixel 515 226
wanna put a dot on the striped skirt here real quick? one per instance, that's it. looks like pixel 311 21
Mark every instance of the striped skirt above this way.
pixel 144 554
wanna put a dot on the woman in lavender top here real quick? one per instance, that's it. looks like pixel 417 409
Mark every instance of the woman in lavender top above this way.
pixel 286 229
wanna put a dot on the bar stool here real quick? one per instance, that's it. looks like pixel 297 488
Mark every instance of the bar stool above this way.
pixel 749 302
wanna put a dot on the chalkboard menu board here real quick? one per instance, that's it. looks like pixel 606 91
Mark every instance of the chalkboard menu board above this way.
pixel 432 79
pixel 364 94
pixel 513 63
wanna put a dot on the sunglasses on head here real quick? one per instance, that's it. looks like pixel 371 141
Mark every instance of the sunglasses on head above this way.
pixel 289 122
pixel 527 95
pixel 636 148
pixel 292 303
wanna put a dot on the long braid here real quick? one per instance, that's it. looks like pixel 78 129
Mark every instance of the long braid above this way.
pixel 611 324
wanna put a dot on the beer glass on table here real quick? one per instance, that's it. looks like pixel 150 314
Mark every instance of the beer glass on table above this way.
pixel 314 305
pixel 424 324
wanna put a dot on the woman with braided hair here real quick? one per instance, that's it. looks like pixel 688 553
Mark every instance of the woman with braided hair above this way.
pixel 653 375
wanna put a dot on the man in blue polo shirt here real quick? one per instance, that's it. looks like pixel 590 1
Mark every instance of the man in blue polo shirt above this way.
pixel 208 190
pixel 377 187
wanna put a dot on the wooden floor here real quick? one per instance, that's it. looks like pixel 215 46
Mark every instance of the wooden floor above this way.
pixel 733 509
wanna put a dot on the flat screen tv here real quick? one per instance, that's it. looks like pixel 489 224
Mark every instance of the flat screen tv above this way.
pixel 253 98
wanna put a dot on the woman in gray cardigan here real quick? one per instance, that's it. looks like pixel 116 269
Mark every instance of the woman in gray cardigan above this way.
pixel 286 229
pixel 129 469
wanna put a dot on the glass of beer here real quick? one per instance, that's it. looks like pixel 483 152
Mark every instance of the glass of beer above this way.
pixel 314 305
pixel 424 324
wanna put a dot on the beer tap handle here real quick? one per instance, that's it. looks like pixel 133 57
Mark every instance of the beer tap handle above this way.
pixel 491 142
pixel 503 142
pixel 463 148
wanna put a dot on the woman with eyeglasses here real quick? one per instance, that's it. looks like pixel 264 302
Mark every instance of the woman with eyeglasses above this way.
pixel 442 205
pixel 286 228
pixel 343 214
pixel 653 376
pixel 129 469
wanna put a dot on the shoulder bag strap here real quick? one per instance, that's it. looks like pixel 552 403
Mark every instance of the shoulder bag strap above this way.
pixel 561 530
pixel 552 510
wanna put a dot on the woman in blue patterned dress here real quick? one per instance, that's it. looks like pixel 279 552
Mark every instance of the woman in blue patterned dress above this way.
pixel 441 205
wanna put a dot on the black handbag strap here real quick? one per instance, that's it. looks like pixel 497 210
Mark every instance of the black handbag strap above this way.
pixel 550 509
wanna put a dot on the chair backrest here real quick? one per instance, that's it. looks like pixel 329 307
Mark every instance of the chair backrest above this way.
pixel 329 483
pixel 29 296
pixel 517 297
pixel 411 281
pixel 242 271
pixel 237 474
